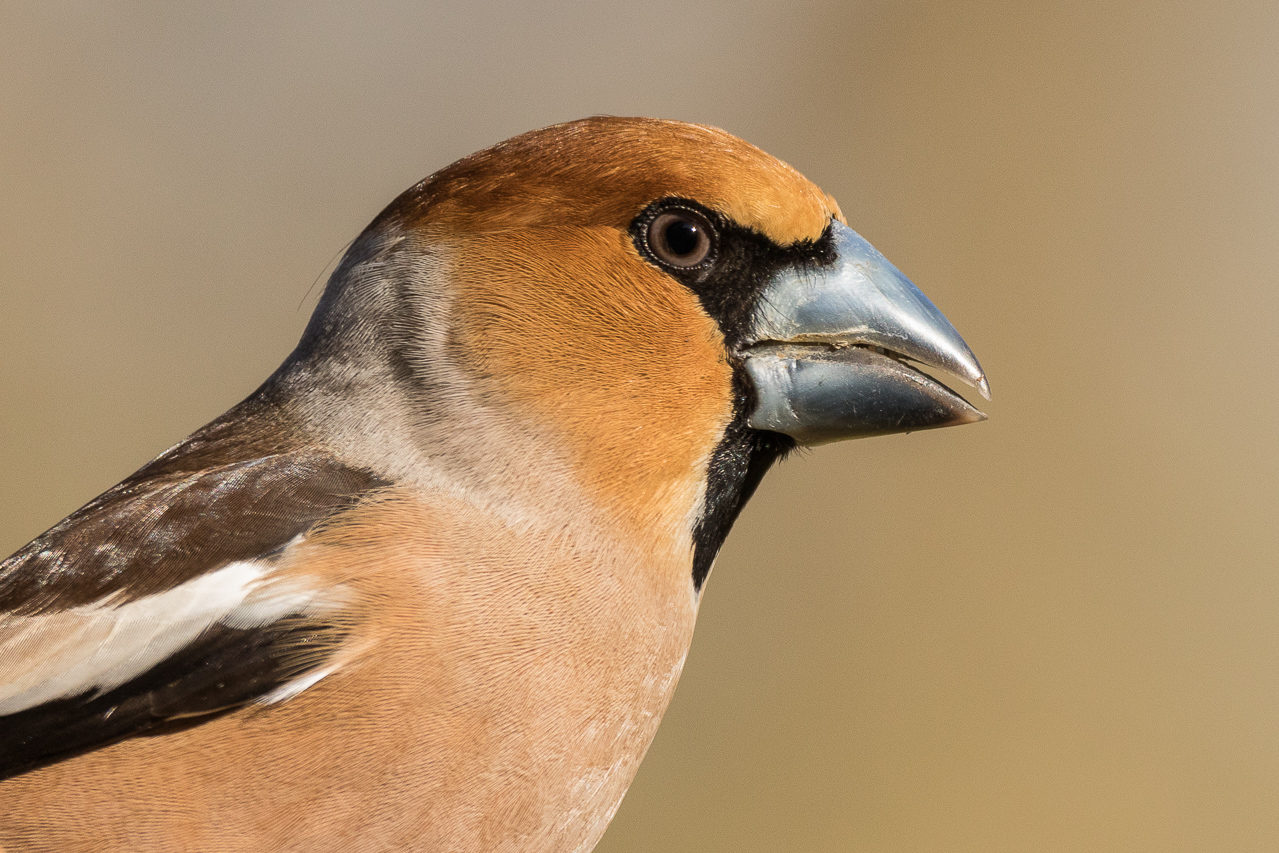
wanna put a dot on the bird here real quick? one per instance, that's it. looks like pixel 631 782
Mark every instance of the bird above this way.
pixel 432 584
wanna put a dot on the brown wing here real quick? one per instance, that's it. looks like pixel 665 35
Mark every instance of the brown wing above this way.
pixel 151 533
pixel 224 669
pixel 193 510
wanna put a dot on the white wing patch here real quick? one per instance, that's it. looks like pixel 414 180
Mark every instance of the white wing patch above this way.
pixel 101 646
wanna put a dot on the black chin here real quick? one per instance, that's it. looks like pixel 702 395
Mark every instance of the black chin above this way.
pixel 729 287
pixel 741 460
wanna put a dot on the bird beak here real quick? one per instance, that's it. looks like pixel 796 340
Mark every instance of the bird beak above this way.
pixel 837 352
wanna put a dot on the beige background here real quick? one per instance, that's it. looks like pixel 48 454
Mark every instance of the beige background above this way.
pixel 1058 630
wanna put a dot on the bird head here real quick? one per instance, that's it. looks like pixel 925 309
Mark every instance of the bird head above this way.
pixel 655 310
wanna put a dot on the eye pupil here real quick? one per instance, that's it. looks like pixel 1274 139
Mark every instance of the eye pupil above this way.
pixel 683 237
pixel 680 238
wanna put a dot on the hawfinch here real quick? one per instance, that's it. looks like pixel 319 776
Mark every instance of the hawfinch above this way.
pixel 430 587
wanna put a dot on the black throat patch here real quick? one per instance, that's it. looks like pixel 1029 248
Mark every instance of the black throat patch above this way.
pixel 729 286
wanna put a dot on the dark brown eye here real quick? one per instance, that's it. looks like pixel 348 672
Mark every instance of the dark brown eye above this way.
pixel 681 238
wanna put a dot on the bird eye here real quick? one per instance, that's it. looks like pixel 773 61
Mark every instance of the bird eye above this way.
pixel 681 238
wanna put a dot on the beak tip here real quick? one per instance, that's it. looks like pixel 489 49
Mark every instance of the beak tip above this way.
pixel 983 388
pixel 969 414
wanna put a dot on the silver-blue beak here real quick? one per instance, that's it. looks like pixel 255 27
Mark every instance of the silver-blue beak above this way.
pixel 834 352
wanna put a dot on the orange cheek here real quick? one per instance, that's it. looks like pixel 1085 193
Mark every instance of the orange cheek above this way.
pixel 570 326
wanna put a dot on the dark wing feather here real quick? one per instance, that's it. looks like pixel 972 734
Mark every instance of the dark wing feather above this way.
pixel 224 669
pixel 240 489
pixel 152 533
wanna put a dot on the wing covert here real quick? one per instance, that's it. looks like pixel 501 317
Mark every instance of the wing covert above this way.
pixel 159 605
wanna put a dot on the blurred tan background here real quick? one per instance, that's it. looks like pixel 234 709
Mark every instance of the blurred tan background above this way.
pixel 1056 631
